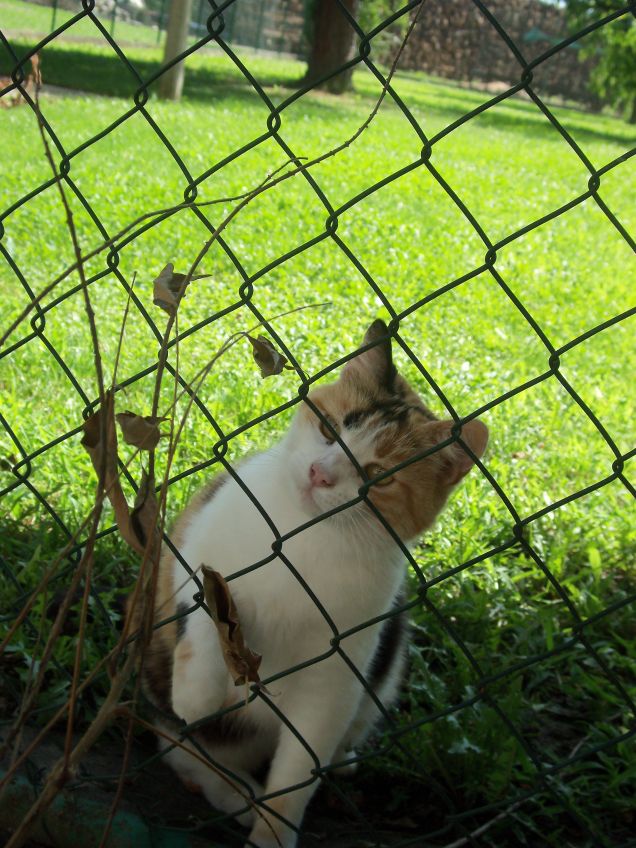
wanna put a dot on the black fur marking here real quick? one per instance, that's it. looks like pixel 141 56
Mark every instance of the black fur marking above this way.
pixel 356 417
pixel 390 411
pixel 391 640
pixel 182 609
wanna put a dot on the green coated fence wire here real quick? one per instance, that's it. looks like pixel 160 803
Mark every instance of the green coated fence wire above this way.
pixel 459 823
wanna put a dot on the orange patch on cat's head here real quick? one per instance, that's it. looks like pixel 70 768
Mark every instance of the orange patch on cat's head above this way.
pixel 374 410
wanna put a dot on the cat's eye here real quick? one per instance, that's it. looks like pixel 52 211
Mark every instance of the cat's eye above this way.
pixel 373 470
pixel 326 431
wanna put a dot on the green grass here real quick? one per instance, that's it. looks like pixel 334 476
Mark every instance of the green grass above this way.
pixel 510 167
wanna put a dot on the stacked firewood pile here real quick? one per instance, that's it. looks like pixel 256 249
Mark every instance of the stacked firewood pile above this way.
pixel 454 39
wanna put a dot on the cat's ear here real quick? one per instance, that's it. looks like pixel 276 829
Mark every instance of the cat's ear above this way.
pixel 458 462
pixel 376 364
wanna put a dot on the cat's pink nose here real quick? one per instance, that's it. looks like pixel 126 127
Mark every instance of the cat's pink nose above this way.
pixel 319 476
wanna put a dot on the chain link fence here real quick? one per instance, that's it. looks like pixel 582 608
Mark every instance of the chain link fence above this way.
pixel 543 794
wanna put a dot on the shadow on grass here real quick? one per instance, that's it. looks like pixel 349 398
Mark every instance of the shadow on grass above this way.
pixel 98 70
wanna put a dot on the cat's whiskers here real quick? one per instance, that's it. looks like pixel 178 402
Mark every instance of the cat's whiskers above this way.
pixel 357 519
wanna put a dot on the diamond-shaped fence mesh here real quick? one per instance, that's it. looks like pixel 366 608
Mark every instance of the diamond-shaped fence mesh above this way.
pixel 522 656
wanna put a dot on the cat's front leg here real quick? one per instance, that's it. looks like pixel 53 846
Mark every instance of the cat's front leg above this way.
pixel 320 704
pixel 199 674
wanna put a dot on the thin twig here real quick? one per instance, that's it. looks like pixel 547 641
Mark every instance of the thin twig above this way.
pixel 73 233
pixel 120 340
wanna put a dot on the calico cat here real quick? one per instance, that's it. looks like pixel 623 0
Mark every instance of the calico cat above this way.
pixel 349 561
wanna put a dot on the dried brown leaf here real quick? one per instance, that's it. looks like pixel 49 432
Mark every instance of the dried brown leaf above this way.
pixel 242 663
pixel 268 359
pixel 102 449
pixel 170 286
pixel 33 79
pixel 142 431
pixel 37 73
pixel 145 512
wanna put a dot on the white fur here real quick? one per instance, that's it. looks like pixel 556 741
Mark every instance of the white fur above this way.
pixel 354 569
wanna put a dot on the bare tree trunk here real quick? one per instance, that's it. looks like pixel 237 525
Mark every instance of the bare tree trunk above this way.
pixel 171 83
pixel 333 44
